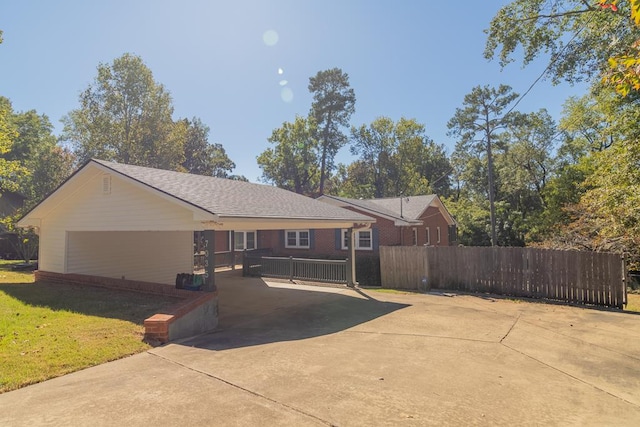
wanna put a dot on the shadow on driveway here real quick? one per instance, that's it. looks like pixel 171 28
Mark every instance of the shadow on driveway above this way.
pixel 255 311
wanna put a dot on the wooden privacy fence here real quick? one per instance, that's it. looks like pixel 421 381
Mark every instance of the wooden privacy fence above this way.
pixel 571 276
pixel 318 270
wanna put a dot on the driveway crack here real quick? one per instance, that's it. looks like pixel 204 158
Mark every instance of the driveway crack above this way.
pixel 511 328
pixel 246 390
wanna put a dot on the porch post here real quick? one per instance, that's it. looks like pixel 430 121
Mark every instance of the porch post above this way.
pixel 232 249
pixel 351 267
pixel 210 261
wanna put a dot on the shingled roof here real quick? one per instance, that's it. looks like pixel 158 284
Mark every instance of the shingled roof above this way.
pixel 230 198
pixel 226 200
pixel 404 211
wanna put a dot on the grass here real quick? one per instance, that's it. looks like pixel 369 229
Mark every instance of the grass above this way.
pixel 633 302
pixel 633 299
pixel 51 330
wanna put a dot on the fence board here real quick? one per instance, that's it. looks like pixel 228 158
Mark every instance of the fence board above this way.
pixel 571 276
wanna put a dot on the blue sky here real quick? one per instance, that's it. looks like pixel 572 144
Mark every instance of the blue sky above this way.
pixel 222 63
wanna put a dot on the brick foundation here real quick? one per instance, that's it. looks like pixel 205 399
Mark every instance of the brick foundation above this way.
pixel 157 327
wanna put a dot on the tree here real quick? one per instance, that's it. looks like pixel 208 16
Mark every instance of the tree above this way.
pixel 333 104
pixel 27 145
pixel 578 36
pixel 395 158
pixel 595 193
pixel 125 116
pixel 478 125
pixel 200 156
pixel 292 163
pixel 40 164
pixel 524 168
pixel 11 171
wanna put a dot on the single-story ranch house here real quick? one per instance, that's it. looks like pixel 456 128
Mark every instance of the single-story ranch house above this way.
pixel 399 221
pixel 134 227
pixel 130 222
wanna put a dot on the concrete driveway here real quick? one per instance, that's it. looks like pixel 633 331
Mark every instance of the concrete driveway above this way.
pixel 301 355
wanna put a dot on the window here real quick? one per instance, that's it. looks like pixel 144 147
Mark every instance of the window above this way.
pixel 244 240
pixel 428 242
pixel 438 235
pixel 415 236
pixel 363 239
pixel 297 239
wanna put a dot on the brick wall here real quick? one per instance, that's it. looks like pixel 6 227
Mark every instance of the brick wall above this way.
pixel 157 327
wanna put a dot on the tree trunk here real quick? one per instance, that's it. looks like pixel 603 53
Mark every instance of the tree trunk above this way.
pixel 492 208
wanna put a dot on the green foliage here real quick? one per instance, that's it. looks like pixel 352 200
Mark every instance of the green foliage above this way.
pixel 202 157
pixel 478 126
pixel 333 104
pixel 577 36
pixel 394 158
pixel 125 116
pixel 606 216
pixel 472 216
pixel 11 170
pixel 292 163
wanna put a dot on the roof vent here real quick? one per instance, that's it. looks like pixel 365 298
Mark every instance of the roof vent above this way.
pixel 106 184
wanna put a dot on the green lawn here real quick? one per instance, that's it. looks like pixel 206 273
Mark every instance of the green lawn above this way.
pixel 51 330
pixel 633 302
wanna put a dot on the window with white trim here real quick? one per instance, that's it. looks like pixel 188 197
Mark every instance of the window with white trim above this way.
pixel 297 239
pixel 363 239
pixel 244 240
pixel 438 234
pixel 428 236
pixel 414 234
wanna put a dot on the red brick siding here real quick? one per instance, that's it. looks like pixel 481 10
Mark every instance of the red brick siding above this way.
pixel 433 219
pixel 324 241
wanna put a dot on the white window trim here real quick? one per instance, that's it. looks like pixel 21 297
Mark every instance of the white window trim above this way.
pixel 244 239
pixel 415 236
pixel 438 234
pixel 297 245
pixel 356 239
pixel 428 237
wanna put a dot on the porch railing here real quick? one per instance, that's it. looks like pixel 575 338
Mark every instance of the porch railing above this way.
pixel 222 259
pixel 317 270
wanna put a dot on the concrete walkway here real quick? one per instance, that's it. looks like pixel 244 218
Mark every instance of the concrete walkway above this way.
pixel 301 355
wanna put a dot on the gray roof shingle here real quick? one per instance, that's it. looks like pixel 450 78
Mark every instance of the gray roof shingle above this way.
pixel 229 198
pixel 412 206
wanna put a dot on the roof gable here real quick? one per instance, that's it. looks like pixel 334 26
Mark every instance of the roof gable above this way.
pixel 219 197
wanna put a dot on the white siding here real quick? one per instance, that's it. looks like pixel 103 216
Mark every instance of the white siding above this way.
pixel 150 256
pixel 127 207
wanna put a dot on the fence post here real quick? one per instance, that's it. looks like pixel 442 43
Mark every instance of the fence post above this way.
pixel 245 264
pixel 290 268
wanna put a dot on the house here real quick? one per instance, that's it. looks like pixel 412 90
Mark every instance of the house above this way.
pixel 399 221
pixel 135 223
pixel 134 228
